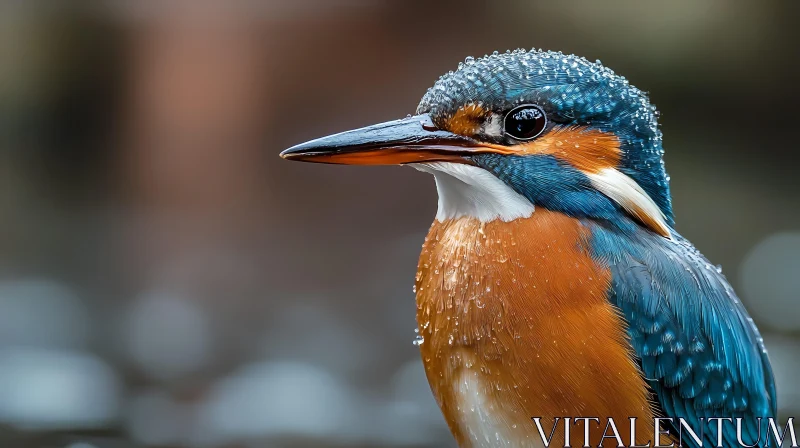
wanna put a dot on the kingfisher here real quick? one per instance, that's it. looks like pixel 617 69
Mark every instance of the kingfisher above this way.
pixel 553 292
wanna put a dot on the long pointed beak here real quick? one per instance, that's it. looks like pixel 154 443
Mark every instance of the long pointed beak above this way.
pixel 412 139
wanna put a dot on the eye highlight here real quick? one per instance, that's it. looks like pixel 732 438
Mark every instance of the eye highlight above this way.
pixel 525 122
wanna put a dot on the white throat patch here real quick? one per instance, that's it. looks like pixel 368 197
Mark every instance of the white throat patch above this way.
pixel 466 190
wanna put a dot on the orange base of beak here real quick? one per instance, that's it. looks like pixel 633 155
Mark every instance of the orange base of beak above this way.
pixel 381 156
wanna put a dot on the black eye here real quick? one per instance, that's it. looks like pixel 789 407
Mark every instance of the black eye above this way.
pixel 525 122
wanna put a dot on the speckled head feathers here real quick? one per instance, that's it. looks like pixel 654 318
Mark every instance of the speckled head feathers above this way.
pixel 572 91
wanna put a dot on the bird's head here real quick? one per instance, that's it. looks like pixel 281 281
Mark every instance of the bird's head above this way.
pixel 508 132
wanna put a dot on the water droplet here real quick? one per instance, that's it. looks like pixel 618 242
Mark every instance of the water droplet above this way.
pixel 418 340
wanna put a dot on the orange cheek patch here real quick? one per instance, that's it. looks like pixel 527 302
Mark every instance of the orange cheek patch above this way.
pixel 588 150
pixel 467 120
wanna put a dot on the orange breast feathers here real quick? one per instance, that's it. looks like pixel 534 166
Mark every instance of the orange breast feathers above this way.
pixel 516 324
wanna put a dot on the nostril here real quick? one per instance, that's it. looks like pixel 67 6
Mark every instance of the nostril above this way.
pixel 427 124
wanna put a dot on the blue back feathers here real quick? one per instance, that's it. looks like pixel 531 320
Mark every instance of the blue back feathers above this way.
pixel 698 348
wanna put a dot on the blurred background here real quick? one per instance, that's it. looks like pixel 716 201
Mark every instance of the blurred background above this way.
pixel 167 281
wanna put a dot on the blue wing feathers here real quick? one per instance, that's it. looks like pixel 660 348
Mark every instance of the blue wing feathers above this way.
pixel 697 346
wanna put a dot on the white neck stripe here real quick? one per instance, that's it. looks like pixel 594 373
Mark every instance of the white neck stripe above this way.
pixel 626 192
pixel 466 190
